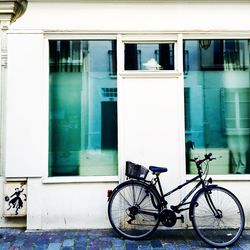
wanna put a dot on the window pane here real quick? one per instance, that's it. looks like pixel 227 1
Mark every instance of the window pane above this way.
pixel 151 56
pixel 217 115
pixel 83 108
pixel 230 111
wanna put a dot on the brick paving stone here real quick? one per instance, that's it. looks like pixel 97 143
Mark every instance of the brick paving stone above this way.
pixel 245 245
pixel 235 248
pixel 119 247
pixel 40 247
pixel 118 242
pixel 18 243
pixel 68 243
pixel 54 246
pixel 183 247
pixel 28 245
pixel 131 246
pixel 7 238
pixel 4 245
pixel 170 246
pixel 93 244
pixel 156 244
pixel 105 244
pixel 195 243
pixel 81 246
pixel 144 247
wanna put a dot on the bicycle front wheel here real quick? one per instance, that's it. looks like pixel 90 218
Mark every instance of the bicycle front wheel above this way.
pixel 217 216
pixel 134 210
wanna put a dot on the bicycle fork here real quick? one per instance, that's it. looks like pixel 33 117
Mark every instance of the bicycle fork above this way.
pixel 217 212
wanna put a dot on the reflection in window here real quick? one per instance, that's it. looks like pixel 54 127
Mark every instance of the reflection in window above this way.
pixel 217 99
pixel 83 108
pixel 224 55
pixel 149 56
pixel 236 103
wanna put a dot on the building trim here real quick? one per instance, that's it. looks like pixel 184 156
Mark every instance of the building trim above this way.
pixel 12 9
pixel 80 179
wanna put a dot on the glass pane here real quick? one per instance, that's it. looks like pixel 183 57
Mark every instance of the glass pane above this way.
pixel 230 123
pixel 244 123
pixel 230 110
pixel 244 110
pixel 151 56
pixel 83 108
pixel 217 116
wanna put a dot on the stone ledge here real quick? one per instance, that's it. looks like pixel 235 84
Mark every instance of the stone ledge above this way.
pixel 12 9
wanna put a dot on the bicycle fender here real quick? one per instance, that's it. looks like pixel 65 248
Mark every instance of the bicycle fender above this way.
pixel 195 197
pixel 123 184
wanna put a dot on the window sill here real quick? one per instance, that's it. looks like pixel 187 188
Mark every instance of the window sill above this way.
pixel 150 74
pixel 229 177
pixel 80 179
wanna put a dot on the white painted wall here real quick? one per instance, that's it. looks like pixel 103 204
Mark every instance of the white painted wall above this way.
pixel 27 107
pixel 135 16
pixel 67 206
pixel 81 204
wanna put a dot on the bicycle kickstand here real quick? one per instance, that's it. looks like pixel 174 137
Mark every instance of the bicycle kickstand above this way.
pixel 180 218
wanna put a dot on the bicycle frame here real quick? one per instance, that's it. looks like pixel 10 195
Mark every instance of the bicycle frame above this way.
pixel 183 202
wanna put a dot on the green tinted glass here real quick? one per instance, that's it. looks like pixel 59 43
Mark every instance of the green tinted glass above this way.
pixel 83 108
pixel 217 99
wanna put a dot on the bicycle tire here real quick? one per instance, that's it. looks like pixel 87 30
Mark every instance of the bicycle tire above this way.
pixel 134 210
pixel 224 226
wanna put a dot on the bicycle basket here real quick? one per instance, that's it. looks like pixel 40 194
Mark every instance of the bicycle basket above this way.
pixel 136 171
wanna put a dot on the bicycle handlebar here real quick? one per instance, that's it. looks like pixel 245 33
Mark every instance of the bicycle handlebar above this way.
pixel 207 157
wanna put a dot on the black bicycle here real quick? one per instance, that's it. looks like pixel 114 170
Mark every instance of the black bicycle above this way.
pixel 137 206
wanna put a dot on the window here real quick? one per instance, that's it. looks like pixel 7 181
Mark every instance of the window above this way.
pixel 83 108
pixel 217 99
pixel 236 104
pixel 149 56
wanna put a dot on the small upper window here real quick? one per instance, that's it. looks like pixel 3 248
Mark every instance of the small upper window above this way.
pixel 149 56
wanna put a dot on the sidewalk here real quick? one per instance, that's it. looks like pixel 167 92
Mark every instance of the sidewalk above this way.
pixel 15 239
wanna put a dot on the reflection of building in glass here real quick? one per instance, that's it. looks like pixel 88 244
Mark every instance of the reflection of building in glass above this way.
pixel 217 101
pixel 83 112
pixel 149 56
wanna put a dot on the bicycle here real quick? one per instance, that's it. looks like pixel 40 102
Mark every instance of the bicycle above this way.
pixel 137 206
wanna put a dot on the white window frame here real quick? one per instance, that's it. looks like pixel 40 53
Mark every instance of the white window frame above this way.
pixel 127 38
pixel 46 179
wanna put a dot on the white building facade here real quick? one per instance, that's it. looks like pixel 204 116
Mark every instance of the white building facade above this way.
pixel 92 84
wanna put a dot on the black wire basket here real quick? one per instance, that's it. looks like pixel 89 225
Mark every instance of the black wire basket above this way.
pixel 136 171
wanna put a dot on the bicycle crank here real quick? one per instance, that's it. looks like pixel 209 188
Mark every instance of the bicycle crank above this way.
pixel 168 217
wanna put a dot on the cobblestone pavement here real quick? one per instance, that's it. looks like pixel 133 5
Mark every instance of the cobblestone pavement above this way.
pixel 17 239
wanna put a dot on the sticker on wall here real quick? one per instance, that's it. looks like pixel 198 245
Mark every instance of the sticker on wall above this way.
pixel 15 199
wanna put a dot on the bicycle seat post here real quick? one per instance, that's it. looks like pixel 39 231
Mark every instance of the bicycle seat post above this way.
pixel 159 182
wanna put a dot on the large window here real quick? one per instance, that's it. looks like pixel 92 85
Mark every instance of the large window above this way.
pixel 217 103
pixel 83 108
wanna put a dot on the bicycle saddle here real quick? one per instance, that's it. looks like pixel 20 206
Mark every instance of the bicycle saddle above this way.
pixel 155 169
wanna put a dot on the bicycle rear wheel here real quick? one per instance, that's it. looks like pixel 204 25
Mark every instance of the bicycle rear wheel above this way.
pixel 134 209
pixel 217 217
